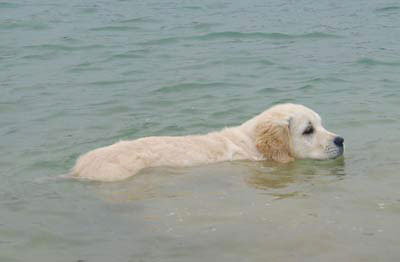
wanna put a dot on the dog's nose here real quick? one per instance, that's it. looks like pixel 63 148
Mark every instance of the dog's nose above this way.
pixel 338 141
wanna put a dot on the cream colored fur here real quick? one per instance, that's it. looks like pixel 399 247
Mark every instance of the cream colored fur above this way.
pixel 273 134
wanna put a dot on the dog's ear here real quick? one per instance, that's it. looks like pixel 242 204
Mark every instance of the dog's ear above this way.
pixel 273 140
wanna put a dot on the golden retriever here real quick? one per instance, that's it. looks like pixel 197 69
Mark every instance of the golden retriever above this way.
pixel 282 133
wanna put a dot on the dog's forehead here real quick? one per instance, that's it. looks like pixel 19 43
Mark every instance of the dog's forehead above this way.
pixel 296 113
pixel 307 116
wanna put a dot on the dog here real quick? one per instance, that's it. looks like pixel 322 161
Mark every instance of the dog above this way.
pixel 282 133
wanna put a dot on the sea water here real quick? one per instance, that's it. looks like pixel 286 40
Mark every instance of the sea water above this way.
pixel 77 75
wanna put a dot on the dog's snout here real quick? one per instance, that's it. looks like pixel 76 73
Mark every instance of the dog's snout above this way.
pixel 338 141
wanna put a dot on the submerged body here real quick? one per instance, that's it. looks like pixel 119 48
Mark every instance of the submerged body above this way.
pixel 282 133
pixel 125 158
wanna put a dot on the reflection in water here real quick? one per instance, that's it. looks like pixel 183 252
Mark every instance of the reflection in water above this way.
pixel 278 180
pixel 151 183
pixel 273 176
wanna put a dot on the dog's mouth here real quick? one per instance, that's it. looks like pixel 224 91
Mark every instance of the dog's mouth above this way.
pixel 334 151
pixel 340 152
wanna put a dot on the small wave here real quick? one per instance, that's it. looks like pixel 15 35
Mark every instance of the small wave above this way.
pixel 325 79
pixel 204 26
pixel 270 90
pixel 78 69
pixel 130 54
pixel 262 35
pixel 244 60
pixel 306 88
pixel 109 82
pixel 162 41
pixel 189 87
pixel 139 20
pixel 45 56
pixel 116 28
pixel 227 113
pixel 124 56
pixel 28 25
pixel 133 72
pixel 388 9
pixel 113 110
pixel 283 101
pixel 373 62
pixel 239 35
pixel 88 10
pixel 58 47
pixel 86 66
pixel 44 164
pixel 103 103
pixel 192 7
pixel 8 5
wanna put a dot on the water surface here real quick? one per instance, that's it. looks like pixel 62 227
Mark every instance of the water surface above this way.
pixel 79 75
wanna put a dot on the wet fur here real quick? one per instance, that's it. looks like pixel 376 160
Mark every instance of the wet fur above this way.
pixel 266 136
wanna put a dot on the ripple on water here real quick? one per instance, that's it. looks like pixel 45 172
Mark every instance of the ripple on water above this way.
pixel 114 110
pixel 42 57
pixel 263 35
pixel 192 7
pixel 25 25
pixel 130 54
pixel 231 35
pixel 318 80
pixel 139 20
pixel 116 28
pixel 88 10
pixel 204 26
pixel 244 60
pixel 103 83
pixel 8 5
pixel 162 41
pixel 306 88
pixel 83 68
pixel 388 9
pixel 221 114
pixel 188 87
pixel 271 90
pixel 58 47
pixel 283 101
pixel 374 62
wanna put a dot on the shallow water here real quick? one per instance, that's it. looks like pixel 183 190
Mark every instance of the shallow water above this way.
pixel 79 75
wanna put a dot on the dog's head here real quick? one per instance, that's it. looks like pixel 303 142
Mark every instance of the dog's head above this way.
pixel 289 131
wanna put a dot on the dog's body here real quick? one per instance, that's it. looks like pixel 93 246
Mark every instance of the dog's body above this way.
pixel 281 133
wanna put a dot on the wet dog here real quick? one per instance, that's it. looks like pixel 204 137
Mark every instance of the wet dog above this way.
pixel 282 133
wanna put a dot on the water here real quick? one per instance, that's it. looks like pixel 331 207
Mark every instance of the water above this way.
pixel 77 75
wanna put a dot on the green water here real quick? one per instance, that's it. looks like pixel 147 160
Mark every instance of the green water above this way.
pixel 77 75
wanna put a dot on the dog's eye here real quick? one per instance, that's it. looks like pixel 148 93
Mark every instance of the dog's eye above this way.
pixel 309 130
